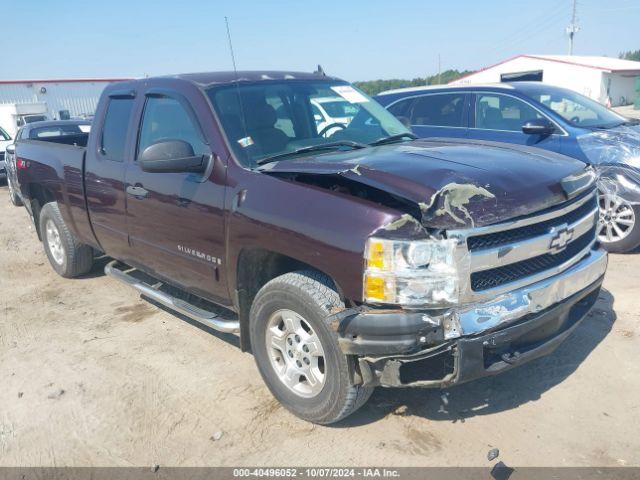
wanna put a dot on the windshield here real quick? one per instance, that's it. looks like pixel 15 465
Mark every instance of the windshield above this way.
pixel 338 109
pixel 278 117
pixel 4 135
pixel 34 118
pixel 577 109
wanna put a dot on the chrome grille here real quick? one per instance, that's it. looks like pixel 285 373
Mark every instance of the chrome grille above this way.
pixel 510 255
pixel 497 239
pixel 496 277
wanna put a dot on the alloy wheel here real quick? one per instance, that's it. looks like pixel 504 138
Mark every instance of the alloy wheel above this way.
pixel 54 242
pixel 296 353
pixel 616 219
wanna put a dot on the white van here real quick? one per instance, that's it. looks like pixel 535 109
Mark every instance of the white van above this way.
pixel 15 115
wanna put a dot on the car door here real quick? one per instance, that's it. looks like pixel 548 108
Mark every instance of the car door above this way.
pixel 442 114
pixel 175 220
pixel 500 117
pixel 104 174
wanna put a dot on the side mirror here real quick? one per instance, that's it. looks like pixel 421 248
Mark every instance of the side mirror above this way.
pixel 538 126
pixel 171 156
pixel 11 148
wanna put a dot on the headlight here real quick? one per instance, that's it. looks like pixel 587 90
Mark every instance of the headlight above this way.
pixel 411 273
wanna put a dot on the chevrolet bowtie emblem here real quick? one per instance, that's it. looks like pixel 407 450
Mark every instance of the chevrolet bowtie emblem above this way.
pixel 560 238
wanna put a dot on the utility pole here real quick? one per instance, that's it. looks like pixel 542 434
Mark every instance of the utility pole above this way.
pixel 573 28
pixel 439 69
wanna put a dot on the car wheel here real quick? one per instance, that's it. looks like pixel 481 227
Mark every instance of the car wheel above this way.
pixel 13 196
pixel 618 224
pixel 297 352
pixel 67 256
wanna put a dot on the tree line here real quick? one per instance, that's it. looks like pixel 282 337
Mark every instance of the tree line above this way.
pixel 373 87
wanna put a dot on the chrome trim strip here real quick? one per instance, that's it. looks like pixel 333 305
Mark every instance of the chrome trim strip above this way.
pixel 533 298
pixel 529 248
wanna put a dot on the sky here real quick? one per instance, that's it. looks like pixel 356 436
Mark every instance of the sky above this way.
pixel 351 39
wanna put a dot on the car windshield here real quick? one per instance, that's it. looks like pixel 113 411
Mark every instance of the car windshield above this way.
pixel 577 109
pixel 4 135
pixel 34 118
pixel 338 109
pixel 267 119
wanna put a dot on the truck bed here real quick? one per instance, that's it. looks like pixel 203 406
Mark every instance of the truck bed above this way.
pixel 55 172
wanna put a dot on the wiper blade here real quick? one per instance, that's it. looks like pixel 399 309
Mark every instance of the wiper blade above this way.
pixel 312 148
pixel 393 138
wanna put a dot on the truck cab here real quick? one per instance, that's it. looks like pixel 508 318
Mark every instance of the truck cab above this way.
pixel 344 259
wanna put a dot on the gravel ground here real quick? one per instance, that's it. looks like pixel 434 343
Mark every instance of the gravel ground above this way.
pixel 91 375
pixel 628 111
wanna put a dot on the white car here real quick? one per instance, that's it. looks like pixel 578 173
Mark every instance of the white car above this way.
pixel 331 113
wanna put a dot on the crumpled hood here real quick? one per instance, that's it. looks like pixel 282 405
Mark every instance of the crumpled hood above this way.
pixel 455 183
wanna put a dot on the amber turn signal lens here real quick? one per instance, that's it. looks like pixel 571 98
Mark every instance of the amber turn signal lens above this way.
pixel 375 257
pixel 374 288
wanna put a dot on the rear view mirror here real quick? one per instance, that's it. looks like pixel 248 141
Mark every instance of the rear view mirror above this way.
pixel 538 126
pixel 11 148
pixel 171 156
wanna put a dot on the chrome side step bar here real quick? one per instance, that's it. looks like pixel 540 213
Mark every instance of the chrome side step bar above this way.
pixel 205 317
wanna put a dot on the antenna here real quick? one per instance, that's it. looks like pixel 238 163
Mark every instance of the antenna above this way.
pixel 237 82
pixel 573 27
pixel 233 57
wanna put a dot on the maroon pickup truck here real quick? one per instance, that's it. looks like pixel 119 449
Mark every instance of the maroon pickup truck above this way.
pixel 344 252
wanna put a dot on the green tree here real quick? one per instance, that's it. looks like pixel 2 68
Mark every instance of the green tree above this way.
pixel 373 87
pixel 630 55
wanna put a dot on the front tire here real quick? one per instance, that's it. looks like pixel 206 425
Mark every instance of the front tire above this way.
pixel 618 224
pixel 67 256
pixel 297 352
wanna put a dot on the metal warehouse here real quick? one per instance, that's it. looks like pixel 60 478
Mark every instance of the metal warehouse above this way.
pixel 55 99
pixel 610 81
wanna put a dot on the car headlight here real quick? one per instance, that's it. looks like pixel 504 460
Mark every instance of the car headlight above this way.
pixel 411 273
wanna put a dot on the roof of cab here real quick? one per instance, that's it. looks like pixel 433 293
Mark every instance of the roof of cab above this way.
pixel 504 86
pixel 206 79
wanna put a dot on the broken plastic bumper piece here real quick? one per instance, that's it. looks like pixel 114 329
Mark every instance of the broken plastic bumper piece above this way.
pixel 441 348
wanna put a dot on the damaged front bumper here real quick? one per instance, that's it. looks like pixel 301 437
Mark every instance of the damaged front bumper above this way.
pixel 437 349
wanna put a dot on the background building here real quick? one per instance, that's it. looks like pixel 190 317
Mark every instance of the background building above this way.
pixel 610 81
pixel 57 99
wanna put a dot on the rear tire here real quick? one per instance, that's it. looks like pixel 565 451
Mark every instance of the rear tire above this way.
pixel 305 299
pixel 67 256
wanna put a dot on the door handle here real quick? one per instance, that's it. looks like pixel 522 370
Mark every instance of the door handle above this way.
pixel 137 191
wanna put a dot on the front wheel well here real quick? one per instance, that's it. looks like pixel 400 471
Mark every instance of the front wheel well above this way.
pixel 255 268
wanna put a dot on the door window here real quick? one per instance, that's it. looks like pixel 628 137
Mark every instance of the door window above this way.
pixel 502 112
pixel 166 118
pixel 401 108
pixel 115 128
pixel 441 110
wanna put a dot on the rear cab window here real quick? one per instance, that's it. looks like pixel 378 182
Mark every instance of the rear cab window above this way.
pixel 115 128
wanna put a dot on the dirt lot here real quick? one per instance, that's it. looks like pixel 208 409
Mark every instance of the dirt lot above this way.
pixel 92 375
